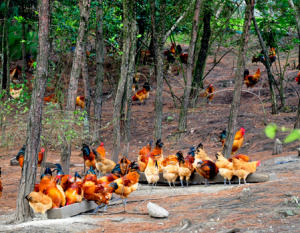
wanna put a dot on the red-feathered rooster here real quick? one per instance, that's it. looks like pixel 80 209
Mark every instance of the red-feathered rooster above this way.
pixel 207 169
pixel 143 94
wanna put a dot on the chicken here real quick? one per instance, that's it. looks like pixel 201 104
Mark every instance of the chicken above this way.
pixel 207 169
pixel 297 79
pixel 200 155
pixel 103 194
pixel 103 164
pixel 157 153
pixel 20 156
pixel 51 98
pixel 46 180
pixel 251 80
pixel 272 56
pixel 242 169
pixel 127 184
pixel 74 192
pixel 101 149
pixel 80 101
pixel 152 172
pixel 183 57
pixel 65 180
pixel 106 180
pixel 170 56
pixel 15 93
pixel 14 74
pixel 143 94
pixel 30 61
pixel 259 57
pixel 209 93
pixel 124 165
pixel 190 158
pixel 39 202
pixel 185 168
pixel 225 167
pixel 240 157
pixel 88 156
pixel 171 170
pixel 1 187
pixel 238 140
pixel 223 136
pixel 144 155
pixel 41 156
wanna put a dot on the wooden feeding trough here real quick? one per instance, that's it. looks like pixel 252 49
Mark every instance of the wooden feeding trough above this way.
pixel 218 179
pixel 71 210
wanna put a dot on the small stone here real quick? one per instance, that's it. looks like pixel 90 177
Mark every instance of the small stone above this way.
pixel 156 211
pixel 294 199
pixel 289 213
pixel 212 220
pixel 117 219
pixel 160 223
pixel 246 193
pixel 288 194
pixel 185 223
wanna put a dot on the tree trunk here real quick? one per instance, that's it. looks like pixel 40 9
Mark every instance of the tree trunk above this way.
pixel 75 72
pixel 87 95
pixel 267 65
pixel 277 147
pixel 27 181
pixel 129 82
pixel 7 46
pixel 128 27
pixel 99 74
pixel 160 70
pixel 187 90
pixel 200 65
pixel 297 16
pixel 23 46
pixel 239 79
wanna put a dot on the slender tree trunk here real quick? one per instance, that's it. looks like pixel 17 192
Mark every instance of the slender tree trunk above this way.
pixel 267 65
pixel 153 43
pixel 7 46
pixel 23 46
pixel 187 90
pixel 239 79
pixel 297 16
pixel 127 6
pixel 4 77
pixel 75 73
pixel 87 94
pixel 160 70
pixel 99 74
pixel 200 65
pixel 23 211
pixel 130 81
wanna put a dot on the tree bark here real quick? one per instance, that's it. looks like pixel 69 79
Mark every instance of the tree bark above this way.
pixel 87 95
pixel 160 70
pixel 239 79
pixel 187 90
pixel 99 74
pixel 153 43
pixel 267 65
pixel 75 72
pixel 7 46
pixel 200 65
pixel 129 26
pixel 23 46
pixel 27 181
pixel 297 16
pixel 127 135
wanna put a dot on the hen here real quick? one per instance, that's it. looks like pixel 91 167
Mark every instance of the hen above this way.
pixel 200 155
pixel 251 80
pixel 190 158
pixel 20 156
pixel 15 93
pixel 238 140
pixel 209 92
pixel 207 169
pixel 80 101
pixel 242 169
pixel 240 157
pixel 88 156
pixel 225 167
pixel 223 136
pixel 52 98
pixel 171 170
pixel 143 94
pixel 152 172
pixel 103 164
pixel 39 202
pixel 74 192
pixel 144 155
pixel 185 168
pixel 14 74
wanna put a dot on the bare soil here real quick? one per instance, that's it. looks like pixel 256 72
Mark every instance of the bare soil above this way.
pixel 210 209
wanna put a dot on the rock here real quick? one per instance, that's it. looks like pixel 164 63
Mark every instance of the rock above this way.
pixel 288 194
pixel 232 230
pixel 156 211
pixel 246 193
pixel 295 212
pixel 277 147
pixel 294 199
pixel 285 213
pixel 117 219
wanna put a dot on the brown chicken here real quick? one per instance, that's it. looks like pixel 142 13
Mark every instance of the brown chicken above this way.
pixel 88 156
pixel 14 74
pixel 184 57
pixel 74 192
pixel 171 170
pixel 106 180
pixel 240 157
pixel 124 165
pixel 200 155
pixel 209 93
pixel 207 169
pixel 152 172
pixel 144 155
pixel 103 164
pixel 251 80
pixel 185 168
pixel 157 153
pixel 1 187
pixel 143 94
pixel 39 202
pixel 238 140
pixel 80 101
pixel 20 156
pixel 51 98
pixel 225 167
pixel 242 169
pixel 190 158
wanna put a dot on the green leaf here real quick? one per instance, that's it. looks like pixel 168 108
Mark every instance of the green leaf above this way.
pixel 271 130
pixel 293 136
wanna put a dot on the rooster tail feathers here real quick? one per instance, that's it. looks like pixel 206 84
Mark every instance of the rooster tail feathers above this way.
pixel 114 185
pixel 77 175
pixel 200 146
pixel 146 86
pixel 150 142
pixel 48 171
pixel 85 149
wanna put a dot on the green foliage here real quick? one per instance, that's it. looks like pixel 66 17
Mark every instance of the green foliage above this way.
pixel 272 129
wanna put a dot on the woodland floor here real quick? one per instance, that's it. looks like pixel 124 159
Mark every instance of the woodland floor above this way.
pixel 210 209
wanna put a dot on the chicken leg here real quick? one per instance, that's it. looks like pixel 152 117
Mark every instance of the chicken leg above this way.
pixel 187 183
pixel 245 181
pixel 97 208
pixel 181 183
pixel 206 182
